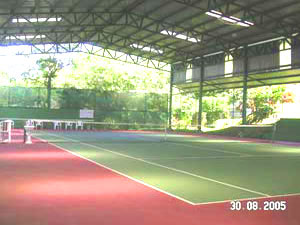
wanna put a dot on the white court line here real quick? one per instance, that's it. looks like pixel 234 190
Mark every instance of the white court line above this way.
pixel 223 157
pixel 169 168
pixel 195 157
pixel 210 149
pixel 249 199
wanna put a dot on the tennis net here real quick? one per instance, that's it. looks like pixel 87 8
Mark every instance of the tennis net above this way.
pixel 54 131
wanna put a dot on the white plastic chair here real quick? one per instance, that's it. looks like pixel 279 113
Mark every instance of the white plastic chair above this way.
pixel 79 124
pixel 69 125
pixel 57 125
pixel 29 123
pixel 38 123
pixel 5 130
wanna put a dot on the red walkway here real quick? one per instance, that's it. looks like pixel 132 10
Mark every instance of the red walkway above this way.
pixel 43 185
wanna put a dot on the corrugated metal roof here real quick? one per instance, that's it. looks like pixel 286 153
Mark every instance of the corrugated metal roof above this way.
pixel 123 25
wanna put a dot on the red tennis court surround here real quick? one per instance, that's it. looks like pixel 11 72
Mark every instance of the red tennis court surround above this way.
pixel 42 184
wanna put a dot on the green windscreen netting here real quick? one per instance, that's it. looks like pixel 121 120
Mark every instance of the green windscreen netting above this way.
pixel 129 107
pixel 288 130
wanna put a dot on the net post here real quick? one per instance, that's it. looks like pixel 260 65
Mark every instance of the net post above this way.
pixel 28 128
pixel 9 132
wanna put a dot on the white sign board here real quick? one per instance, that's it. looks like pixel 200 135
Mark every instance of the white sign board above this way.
pixel 86 113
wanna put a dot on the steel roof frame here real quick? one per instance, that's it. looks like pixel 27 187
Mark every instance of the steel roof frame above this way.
pixel 106 24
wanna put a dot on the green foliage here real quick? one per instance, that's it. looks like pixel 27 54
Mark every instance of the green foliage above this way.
pixel 73 98
pixel 103 75
pixel 48 68
pixel 180 114
pixel 44 73
pixel 234 95
pixel 262 102
pixel 215 108
pixel 43 76
pixel 157 102
pixel 183 110
pixel 4 93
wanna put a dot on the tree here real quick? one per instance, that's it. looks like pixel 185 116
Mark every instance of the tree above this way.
pixel 47 70
pixel 215 108
pixel 288 97
pixel 262 102
pixel 103 75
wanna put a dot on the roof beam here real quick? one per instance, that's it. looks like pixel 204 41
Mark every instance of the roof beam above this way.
pixel 146 15
pixel 278 25
pixel 264 20
pixel 107 53
pixel 100 36
pixel 162 24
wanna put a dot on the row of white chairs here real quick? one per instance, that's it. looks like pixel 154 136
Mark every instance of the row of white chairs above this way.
pixel 57 125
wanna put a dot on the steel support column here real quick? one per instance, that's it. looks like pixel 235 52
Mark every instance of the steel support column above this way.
pixel 200 96
pixel 245 88
pixel 170 98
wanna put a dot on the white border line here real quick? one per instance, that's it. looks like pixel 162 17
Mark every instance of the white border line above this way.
pixel 223 157
pixel 169 168
pixel 194 157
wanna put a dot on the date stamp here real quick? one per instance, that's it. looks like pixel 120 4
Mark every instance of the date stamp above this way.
pixel 258 206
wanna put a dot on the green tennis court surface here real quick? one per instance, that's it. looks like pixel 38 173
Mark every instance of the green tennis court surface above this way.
pixel 194 169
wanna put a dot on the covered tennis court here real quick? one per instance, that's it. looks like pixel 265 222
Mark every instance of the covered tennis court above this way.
pixel 57 168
